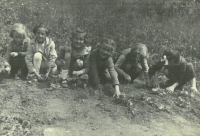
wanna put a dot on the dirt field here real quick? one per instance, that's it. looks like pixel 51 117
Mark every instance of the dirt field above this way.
pixel 35 109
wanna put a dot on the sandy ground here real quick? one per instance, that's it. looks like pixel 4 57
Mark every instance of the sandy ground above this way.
pixel 35 109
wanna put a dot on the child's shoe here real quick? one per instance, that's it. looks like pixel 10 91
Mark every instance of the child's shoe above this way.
pixel 32 77
pixel 194 89
pixel 194 92
pixel 64 84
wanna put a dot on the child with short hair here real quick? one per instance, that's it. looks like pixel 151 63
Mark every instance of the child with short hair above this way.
pixel 16 51
pixel 132 62
pixel 78 66
pixel 176 69
pixel 41 53
pixel 102 67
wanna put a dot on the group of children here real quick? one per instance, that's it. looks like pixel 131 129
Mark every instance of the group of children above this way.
pixel 37 58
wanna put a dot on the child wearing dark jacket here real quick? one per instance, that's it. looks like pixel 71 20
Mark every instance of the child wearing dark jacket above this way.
pixel 176 69
pixel 102 68
pixel 16 51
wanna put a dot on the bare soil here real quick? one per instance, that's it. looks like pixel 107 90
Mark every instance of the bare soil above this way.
pixel 37 109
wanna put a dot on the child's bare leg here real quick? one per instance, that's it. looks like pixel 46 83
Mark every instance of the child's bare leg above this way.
pixel 37 60
pixel 193 84
pixel 54 71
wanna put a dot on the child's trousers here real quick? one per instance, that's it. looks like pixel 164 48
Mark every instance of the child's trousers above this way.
pixel 18 63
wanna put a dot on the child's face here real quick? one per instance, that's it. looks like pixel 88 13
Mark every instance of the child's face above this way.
pixel 106 51
pixel 78 41
pixel 18 38
pixel 40 35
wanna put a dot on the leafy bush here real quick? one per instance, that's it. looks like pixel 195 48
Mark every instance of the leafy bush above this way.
pixel 159 24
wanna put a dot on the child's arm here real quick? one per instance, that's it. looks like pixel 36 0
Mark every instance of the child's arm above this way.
pixel 146 71
pixel 118 65
pixel 47 74
pixel 117 91
pixel 171 88
pixel 24 48
pixel 85 66
pixel 114 77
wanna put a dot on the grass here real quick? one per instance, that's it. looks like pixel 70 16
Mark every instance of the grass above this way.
pixel 158 24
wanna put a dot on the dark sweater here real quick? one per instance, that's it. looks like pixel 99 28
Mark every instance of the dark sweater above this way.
pixel 181 73
pixel 98 66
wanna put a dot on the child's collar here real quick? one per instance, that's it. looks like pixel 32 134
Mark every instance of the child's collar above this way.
pixel 46 42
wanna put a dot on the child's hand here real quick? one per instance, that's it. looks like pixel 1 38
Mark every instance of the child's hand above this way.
pixel 45 77
pixel 7 70
pixel 38 76
pixel 76 73
pixel 127 78
pixel 117 94
pixel 170 89
pixel 14 54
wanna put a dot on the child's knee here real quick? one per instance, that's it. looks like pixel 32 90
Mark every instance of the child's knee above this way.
pixel 55 70
pixel 78 63
pixel 37 56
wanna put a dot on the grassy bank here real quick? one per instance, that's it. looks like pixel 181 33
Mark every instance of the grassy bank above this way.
pixel 159 24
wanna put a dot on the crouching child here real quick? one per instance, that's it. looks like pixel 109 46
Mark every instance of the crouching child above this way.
pixel 176 69
pixel 78 66
pixel 102 68
pixel 132 62
pixel 41 54
pixel 16 52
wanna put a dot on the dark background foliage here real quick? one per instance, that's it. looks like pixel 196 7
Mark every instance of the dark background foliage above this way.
pixel 159 24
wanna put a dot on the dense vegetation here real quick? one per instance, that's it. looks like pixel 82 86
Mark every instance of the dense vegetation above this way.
pixel 157 23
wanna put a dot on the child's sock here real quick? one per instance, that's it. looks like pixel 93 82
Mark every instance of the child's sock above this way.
pixel 193 85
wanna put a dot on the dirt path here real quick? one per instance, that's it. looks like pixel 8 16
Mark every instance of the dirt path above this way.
pixel 35 110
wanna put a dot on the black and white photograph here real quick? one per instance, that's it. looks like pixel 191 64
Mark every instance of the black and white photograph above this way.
pixel 99 67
